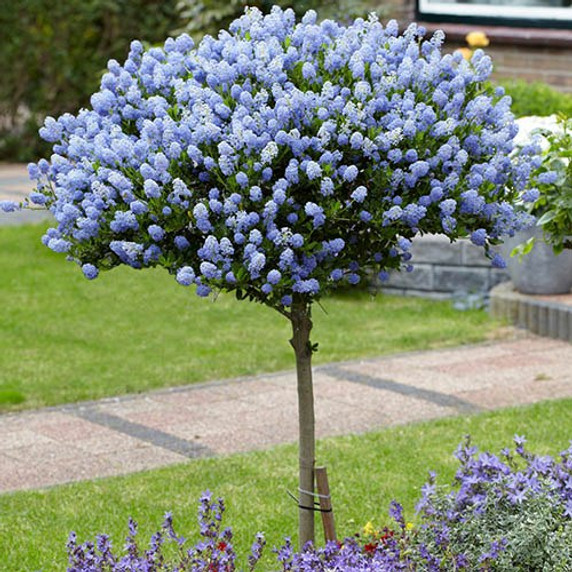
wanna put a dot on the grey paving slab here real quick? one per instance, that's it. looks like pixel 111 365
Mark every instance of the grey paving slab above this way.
pixel 133 433
pixel 143 432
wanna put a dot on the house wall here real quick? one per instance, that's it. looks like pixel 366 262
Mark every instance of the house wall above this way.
pixel 532 58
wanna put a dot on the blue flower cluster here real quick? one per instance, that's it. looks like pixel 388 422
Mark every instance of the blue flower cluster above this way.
pixel 282 158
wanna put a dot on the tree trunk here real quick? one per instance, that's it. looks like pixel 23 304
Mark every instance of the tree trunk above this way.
pixel 301 327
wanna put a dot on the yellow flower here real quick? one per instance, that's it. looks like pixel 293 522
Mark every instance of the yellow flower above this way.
pixel 466 52
pixel 409 526
pixel 368 529
pixel 477 40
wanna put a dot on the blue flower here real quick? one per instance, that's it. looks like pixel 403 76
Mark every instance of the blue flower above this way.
pixel 138 207
pixel 316 212
pixel 156 232
pixel 498 261
pixel 359 194
pixel 351 173
pixel 273 277
pixel 152 189
pixel 185 276
pixel 9 206
pixel 123 221
pixel 313 170
pixel 90 271
pixel 241 179
pixel 286 300
pixel 479 237
pixel 181 243
pixel 297 240
pixel 448 207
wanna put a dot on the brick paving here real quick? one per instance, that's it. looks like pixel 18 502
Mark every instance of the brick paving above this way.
pixel 117 436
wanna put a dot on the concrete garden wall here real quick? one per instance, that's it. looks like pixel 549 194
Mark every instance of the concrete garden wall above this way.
pixel 442 269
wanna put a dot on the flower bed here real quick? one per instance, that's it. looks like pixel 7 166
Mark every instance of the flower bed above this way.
pixel 511 511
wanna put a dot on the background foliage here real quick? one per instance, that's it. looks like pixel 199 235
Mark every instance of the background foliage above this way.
pixel 53 54
pixel 536 98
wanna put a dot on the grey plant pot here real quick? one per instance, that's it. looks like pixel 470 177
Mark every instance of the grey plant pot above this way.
pixel 540 271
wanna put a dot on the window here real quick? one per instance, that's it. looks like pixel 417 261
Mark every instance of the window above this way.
pixel 524 13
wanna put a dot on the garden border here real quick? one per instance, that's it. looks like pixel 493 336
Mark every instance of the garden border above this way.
pixel 547 316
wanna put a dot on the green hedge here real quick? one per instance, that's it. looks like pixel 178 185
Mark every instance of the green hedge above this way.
pixel 536 98
pixel 53 54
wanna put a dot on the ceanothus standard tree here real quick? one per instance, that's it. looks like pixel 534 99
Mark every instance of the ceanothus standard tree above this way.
pixel 280 161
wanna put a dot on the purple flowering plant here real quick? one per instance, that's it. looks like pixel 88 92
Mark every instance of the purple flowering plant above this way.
pixel 501 512
pixel 282 160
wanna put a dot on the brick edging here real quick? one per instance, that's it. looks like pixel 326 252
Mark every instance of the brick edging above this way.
pixel 545 318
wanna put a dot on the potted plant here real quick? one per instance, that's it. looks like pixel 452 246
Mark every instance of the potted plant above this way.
pixel 541 256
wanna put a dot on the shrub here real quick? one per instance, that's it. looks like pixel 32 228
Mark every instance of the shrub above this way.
pixel 514 510
pixel 554 204
pixel 507 512
pixel 282 158
pixel 553 178
pixel 536 98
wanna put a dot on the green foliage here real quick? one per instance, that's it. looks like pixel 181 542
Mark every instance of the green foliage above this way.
pixel 536 98
pixel 554 205
pixel 53 54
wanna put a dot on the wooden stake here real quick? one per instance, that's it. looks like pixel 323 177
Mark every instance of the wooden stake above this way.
pixel 325 504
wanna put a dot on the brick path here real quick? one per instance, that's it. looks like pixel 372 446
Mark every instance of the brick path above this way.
pixel 117 436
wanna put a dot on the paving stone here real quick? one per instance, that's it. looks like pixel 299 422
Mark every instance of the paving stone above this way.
pixel 543 320
pixel 240 441
pixel 473 255
pixel 21 438
pixel 497 276
pixel 427 295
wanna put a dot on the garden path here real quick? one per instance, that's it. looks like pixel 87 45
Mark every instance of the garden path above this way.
pixel 121 435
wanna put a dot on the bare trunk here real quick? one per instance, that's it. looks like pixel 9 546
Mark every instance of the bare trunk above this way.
pixel 301 327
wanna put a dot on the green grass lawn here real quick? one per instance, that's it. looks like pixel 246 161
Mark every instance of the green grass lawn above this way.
pixel 66 339
pixel 365 473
